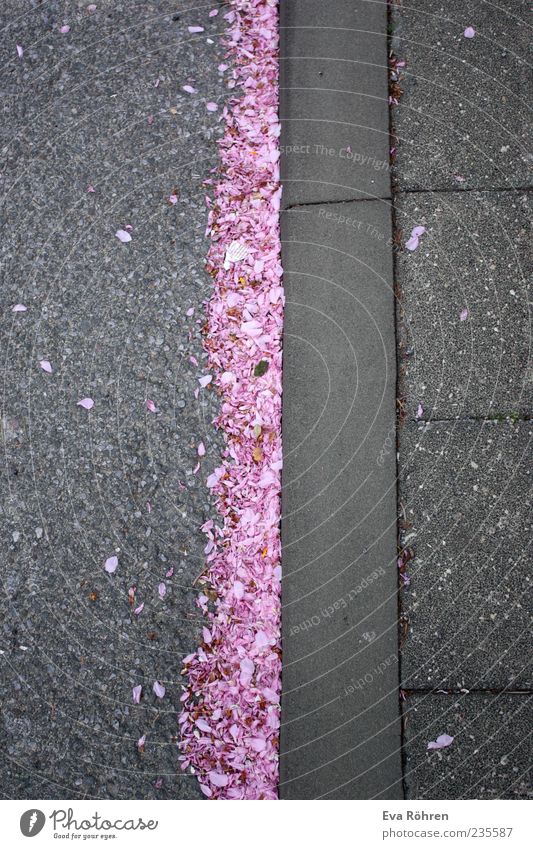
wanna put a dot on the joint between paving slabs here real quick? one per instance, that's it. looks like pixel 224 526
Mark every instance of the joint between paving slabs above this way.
pixel 372 199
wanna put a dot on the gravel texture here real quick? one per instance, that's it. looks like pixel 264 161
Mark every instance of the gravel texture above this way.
pixel 490 757
pixel 465 110
pixel 465 326
pixel 465 488
pixel 102 105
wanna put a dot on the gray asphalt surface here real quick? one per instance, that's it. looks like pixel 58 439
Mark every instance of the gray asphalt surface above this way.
pixel 101 105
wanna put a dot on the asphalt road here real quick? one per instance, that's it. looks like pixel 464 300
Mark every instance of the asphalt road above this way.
pixel 101 106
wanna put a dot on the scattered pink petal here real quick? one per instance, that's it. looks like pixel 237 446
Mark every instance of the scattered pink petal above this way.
pixel 169 572
pixel 205 380
pixel 20 51
pixel 195 29
pixel 151 406
pixel 459 178
pixel 173 199
pixel 46 366
pixel 90 189
pixel 64 29
pixel 441 742
pixel 141 743
pixel 213 13
pixel 162 589
pixel 222 67
pixel 469 32
pixel 193 360
pixel 201 449
pixel 189 89
pixel 136 694
pixel 210 106
pixel 190 312
pixel 19 308
pixel 111 564
pixel 413 241
pixel 138 610
pixel 158 783
pixel 86 403
pixel 419 411
pixel 159 689
pixel 203 725
pixel 156 83
pixel 123 236
pixel 148 507
pixel 91 8
pixel 196 469
pixel 150 120
pixel 463 314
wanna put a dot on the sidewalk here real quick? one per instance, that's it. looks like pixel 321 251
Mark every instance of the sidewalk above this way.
pixel 102 106
pixel 463 170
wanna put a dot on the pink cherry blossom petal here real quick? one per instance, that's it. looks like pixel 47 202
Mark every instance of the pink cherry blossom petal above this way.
pixel 159 690
pixel 463 315
pixel 111 564
pixel 19 308
pixel 213 13
pixel 151 406
pixel 46 366
pixel 90 189
pixel 189 89
pixel 211 106
pixel 419 411
pixel 218 779
pixel 469 32
pixel 195 29
pixel 141 743
pixel 123 236
pixel 64 29
pixel 441 742
pixel 138 610
pixel 162 589
pixel 86 403
pixel 201 449
pixel 136 694
pixel 205 380
pixel 20 51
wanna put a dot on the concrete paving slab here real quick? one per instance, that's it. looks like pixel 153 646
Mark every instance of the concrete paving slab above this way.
pixel 490 757
pixel 465 324
pixel 465 489
pixel 102 106
pixel 334 101
pixel 465 110
pixel 340 734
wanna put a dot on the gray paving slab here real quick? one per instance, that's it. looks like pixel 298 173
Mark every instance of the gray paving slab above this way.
pixel 465 491
pixel 490 757
pixel 334 101
pixel 340 733
pixel 474 257
pixel 101 106
pixel 465 110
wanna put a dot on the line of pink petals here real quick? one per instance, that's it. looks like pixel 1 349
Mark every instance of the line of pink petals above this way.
pixel 231 712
